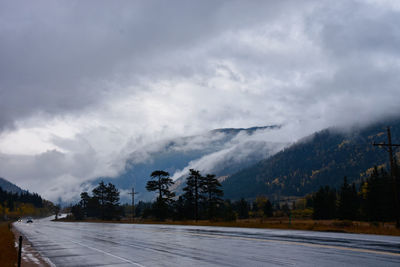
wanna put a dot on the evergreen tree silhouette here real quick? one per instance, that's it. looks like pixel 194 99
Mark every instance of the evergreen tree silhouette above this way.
pixel 161 182
pixel 211 194
pixel 192 192
pixel 348 202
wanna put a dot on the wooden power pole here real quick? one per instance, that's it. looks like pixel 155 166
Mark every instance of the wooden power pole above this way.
pixel 393 173
pixel 133 203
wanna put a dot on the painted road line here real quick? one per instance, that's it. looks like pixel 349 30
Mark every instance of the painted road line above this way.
pixel 385 253
pixel 362 250
pixel 107 253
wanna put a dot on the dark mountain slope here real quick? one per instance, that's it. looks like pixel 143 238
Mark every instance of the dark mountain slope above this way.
pixel 321 159
pixel 10 187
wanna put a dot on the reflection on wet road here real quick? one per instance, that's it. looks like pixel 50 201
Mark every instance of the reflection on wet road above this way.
pixel 97 244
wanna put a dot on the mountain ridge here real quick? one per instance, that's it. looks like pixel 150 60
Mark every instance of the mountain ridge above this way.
pixel 10 187
pixel 322 158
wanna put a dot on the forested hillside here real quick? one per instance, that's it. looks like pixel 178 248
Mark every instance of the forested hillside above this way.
pixel 323 158
pixel 15 202
pixel 9 187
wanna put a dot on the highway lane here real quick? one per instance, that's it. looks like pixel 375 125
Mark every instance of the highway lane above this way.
pixel 97 244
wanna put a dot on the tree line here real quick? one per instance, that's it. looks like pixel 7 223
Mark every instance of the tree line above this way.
pixel 9 199
pixel 15 205
pixel 103 203
pixel 227 210
pixel 202 198
pixel 373 200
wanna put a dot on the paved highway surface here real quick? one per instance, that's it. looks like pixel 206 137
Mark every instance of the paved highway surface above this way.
pixel 97 244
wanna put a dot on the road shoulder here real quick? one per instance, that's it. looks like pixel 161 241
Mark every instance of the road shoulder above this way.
pixel 30 256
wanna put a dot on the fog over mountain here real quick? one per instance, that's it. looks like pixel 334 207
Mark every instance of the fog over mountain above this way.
pixel 84 86
pixel 221 152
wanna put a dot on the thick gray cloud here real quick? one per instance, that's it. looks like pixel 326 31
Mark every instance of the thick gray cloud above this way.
pixel 83 84
pixel 64 56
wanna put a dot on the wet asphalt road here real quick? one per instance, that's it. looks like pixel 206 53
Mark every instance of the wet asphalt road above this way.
pixel 96 244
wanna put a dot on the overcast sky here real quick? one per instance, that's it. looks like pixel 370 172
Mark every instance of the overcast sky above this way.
pixel 82 83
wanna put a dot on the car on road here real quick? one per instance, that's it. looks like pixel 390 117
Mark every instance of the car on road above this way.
pixel 29 220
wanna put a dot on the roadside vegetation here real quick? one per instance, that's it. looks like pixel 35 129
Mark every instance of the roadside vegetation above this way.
pixel 8 252
pixel 14 206
pixel 367 208
pixel 102 204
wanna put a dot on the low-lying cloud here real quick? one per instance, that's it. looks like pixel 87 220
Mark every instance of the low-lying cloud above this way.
pixel 83 85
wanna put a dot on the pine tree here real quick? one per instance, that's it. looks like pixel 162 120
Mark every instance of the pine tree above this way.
pixel 378 202
pixel 112 202
pixel 161 182
pixel 104 203
pixel 179 209
pixel 78 212
pixel 99 194
pixel 211 193
pixel 242 208
pixel 227 211
pixel 324 202
pixel 192 192
pixel 348 204
pixel 268 210
pixel 85 198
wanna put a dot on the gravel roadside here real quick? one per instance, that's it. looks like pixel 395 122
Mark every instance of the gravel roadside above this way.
pixel 30 256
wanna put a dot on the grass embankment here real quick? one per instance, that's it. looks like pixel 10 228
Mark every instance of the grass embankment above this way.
pixel 8 253
pixel 283 223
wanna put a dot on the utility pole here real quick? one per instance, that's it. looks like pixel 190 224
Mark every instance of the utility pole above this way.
pixel 196 195
pixel 390 146
pixel 133 203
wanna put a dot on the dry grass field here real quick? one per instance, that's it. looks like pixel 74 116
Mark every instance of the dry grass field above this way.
pixel 8 253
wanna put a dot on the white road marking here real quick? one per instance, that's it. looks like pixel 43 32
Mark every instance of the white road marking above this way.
pixel 363 250
pixel 386 253
pixel 107 253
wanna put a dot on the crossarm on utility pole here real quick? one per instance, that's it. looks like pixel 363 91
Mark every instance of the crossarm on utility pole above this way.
pixel 392 145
